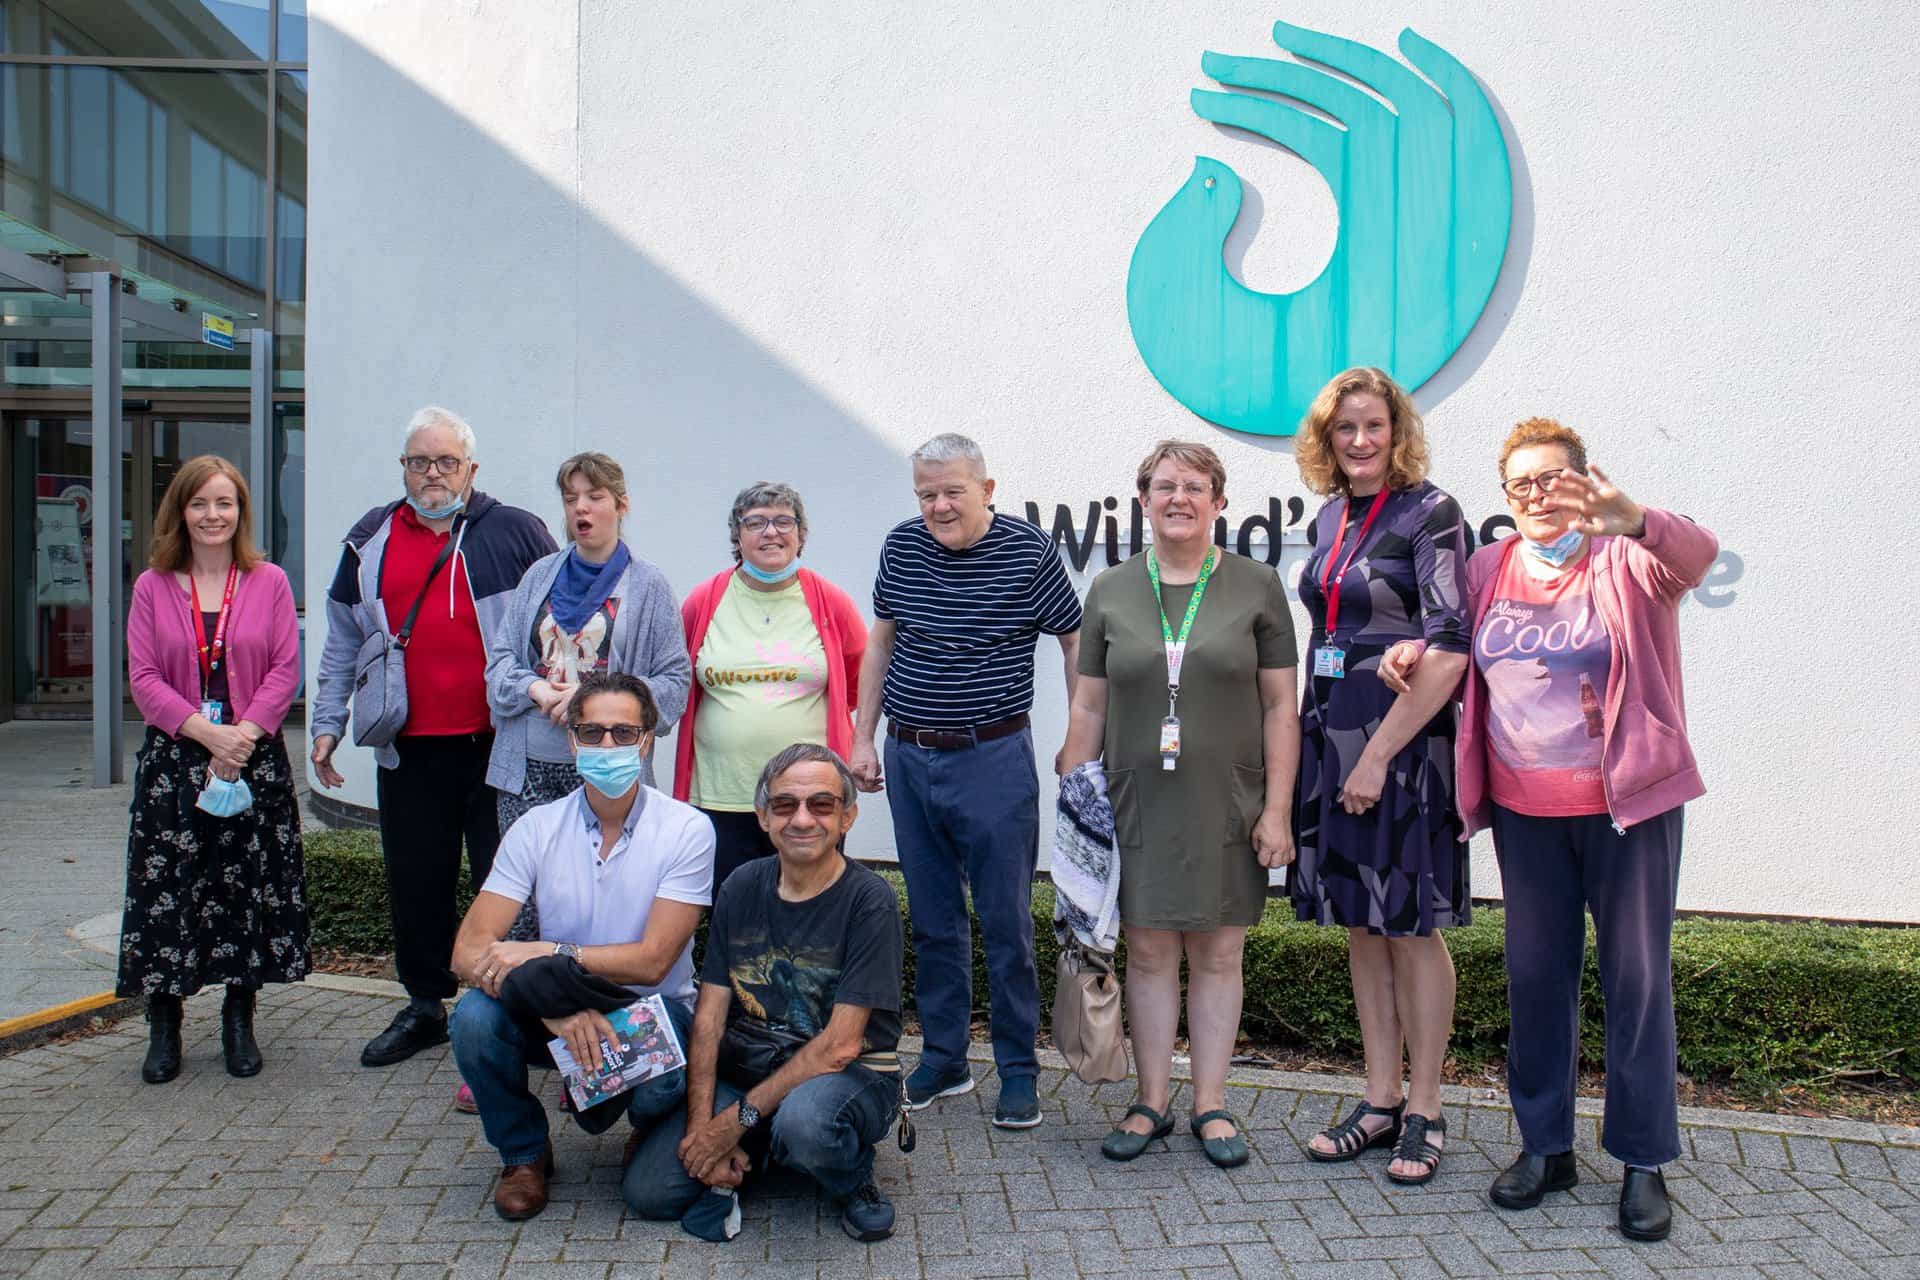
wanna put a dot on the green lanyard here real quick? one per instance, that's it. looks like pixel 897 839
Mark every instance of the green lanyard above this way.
pixel 1177 645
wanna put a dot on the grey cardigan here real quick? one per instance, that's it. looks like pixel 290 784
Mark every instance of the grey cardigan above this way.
pixel 647 642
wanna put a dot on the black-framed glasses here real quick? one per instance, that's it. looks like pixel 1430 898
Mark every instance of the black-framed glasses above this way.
pixel 446 464
pixel 821 804
pixel 1521 487
pixel 592 735
pixel 758 524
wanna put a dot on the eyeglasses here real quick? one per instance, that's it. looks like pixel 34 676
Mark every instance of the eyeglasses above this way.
pixel 446 464
pixel 1520 487
pixel 592 735
pixel 757 524
pixel 821 804
pixel 1192 489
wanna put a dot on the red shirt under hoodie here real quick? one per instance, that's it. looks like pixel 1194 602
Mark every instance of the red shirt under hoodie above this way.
pixel 446 658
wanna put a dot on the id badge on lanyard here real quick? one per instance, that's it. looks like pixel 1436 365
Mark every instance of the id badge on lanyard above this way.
pixel 213 653
pixel 1330 660
pixel 1176 653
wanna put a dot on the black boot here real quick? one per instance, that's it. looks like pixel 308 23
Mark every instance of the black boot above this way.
pixel 236 1034
pixel 163 1039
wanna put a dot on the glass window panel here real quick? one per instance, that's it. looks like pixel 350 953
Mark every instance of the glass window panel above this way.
pixel 88 141
pixel 132 147
pixel 293 31
pixel 288 545
pixel 156 28
pixel 290 235
pixel 205 203
pixel 245 232
pixel 57 112
pixel 157 162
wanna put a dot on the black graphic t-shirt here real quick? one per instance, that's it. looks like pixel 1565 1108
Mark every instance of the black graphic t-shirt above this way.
pixel 789 963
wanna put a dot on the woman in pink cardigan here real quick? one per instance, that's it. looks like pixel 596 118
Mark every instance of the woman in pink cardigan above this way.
pixel 216 891
pixel 1573 749
pixel 776 660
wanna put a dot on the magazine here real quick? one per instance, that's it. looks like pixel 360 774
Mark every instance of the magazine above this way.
pixel 645 1046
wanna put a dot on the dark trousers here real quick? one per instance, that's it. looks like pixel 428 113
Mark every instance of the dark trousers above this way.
pixel 433 802
pixel 963 820
pixel 1552 869
pixel 737 840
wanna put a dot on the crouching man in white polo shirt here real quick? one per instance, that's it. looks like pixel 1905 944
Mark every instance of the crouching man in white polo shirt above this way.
pixel 621 873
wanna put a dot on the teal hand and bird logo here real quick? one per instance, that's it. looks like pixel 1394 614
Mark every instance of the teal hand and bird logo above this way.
pixel 1425 199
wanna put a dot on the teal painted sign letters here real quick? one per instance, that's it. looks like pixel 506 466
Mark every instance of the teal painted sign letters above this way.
pixel 1425 198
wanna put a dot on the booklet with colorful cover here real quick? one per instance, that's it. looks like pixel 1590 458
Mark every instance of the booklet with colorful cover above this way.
pixel 645 1045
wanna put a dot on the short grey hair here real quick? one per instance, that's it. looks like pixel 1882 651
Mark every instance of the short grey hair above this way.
pixel 950 446
pixel 797 754
pixel 435 416
pixel 765 493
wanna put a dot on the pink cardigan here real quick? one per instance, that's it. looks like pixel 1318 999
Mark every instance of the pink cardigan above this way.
pixel 263 649
pixel 843 633
pixel 1646 764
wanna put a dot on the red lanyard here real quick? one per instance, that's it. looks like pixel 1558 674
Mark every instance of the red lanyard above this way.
pixel 210 655
pixel 1332 592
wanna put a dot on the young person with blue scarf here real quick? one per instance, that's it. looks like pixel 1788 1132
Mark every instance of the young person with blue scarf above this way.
pixel 594 607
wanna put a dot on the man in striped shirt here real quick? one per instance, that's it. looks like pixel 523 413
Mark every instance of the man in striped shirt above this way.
pixel 961 596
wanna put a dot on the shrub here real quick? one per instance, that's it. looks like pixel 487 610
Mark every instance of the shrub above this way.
pixel 1759 1002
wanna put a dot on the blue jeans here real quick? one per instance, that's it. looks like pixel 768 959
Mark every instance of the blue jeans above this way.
pixel 494 1050
pixel 827 1128
pixel 1552 870
pixel 970 819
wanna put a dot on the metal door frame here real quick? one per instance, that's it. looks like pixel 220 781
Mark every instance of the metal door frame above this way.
pixel 114 304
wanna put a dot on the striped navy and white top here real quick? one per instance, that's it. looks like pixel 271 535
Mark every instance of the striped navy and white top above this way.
pixel 966 621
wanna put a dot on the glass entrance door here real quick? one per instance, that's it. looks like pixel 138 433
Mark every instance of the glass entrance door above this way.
pixel 52 537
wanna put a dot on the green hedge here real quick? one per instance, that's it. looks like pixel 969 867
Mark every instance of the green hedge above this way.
pixel 1757 1002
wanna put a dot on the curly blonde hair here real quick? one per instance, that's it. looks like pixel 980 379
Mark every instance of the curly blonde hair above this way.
pixel 1313 446
pixel 1539 431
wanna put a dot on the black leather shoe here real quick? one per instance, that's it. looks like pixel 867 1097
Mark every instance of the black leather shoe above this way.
pixel 163 1040
pixel 1644 1211
pixel 1528 1179
pixel 236 1034
pixel 416 1027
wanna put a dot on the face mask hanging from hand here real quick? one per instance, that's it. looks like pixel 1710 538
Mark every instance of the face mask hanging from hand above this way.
pixel 224 799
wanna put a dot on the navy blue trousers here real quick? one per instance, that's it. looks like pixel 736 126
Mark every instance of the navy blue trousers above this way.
pixel 1553 870
pixel 965 820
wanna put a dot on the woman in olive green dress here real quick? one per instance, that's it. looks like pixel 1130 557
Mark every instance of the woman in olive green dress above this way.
pixel 1200 741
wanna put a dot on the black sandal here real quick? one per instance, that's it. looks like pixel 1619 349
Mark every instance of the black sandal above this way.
pixel 1125 1144
pixel 1350 1137
pixel 1413 1148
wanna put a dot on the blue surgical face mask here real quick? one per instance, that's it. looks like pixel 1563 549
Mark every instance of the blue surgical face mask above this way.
pixel 453 508
pixel 758 574
pixel 224 799
pixel 611 771
pixel 1557 552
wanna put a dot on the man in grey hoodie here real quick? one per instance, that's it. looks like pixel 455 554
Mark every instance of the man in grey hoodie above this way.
pixel 431 786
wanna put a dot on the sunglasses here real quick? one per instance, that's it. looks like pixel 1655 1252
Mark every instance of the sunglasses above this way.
pixel 821 804
pixel 592 735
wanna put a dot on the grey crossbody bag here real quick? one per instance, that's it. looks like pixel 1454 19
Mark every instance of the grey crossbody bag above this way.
pixel 380 669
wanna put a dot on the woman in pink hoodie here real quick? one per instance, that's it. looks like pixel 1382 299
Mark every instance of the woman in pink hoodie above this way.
pixel 1573 749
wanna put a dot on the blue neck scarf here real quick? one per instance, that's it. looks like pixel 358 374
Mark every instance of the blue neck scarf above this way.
pixel 581 587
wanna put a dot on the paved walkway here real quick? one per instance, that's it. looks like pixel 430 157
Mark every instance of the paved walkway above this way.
pixel 63 862
pixel 321 1168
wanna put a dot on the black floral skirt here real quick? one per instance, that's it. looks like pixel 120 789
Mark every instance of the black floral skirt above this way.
pixel 211 900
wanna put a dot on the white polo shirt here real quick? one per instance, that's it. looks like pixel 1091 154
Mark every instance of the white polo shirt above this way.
pixel 551 857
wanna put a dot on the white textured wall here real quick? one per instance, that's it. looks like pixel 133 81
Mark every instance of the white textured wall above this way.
pixel 794 240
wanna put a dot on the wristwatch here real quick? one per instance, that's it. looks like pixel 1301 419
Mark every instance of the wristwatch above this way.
pixel 749 1116
pixel 571 950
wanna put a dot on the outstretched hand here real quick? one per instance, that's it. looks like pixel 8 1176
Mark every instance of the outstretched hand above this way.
pixel 1596 504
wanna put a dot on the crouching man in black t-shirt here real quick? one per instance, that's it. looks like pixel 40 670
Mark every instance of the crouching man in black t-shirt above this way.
pixel 792 1057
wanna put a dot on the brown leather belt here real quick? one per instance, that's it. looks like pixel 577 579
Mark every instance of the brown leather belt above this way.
pixel 957 739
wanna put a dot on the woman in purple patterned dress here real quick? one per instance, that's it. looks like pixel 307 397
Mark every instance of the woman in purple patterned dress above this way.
pixel 1379 839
